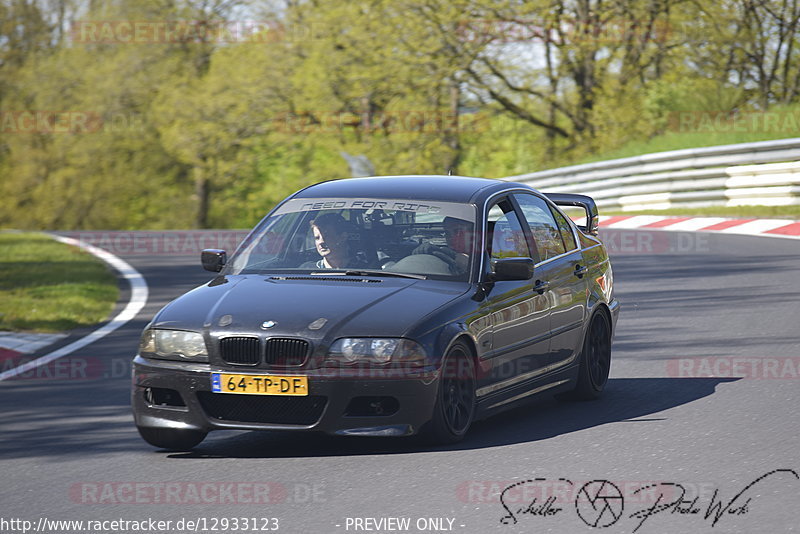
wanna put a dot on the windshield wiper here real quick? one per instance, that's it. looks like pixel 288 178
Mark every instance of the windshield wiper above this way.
pixel 385 273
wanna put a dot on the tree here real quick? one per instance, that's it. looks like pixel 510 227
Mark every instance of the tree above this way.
pixel 754 45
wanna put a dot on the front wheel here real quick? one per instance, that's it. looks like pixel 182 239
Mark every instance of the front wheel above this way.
pixel 455 400
pixel 171 438
pixel 595 361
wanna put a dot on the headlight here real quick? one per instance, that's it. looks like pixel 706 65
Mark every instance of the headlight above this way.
pixel 353 350
pixel 173 345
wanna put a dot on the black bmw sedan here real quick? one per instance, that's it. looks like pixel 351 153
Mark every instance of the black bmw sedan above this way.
pixel 385 306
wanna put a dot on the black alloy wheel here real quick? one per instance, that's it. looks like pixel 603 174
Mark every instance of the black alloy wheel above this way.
pixel 595 363
pixel 455 403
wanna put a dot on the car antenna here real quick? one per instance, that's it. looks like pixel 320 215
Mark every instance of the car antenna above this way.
pixel 450 171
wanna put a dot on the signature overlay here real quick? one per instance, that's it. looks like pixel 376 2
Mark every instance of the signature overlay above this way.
pixel 601 503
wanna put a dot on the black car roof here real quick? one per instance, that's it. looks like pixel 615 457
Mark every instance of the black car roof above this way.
pixel 415 187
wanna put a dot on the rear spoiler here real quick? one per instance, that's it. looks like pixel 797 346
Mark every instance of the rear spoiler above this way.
pixel 581 201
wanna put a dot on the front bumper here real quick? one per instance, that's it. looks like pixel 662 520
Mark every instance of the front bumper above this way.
pixel 328 408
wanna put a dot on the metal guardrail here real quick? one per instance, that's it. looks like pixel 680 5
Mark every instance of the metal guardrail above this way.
pixel 761 173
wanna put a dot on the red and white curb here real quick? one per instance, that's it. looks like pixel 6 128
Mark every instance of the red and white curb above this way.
pixel 137 301
pixel 26 343
pixel 786 228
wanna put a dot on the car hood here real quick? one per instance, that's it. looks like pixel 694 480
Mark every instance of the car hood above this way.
pixel 307 306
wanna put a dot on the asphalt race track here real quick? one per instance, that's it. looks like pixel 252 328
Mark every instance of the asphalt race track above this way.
pixel 698 430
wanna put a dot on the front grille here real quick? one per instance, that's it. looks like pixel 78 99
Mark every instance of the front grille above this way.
pixel 263 408
pixel 286 352
pixel 240 350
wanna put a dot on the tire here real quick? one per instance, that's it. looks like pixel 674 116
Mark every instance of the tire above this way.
pixel 171 439
pixel 595 361
pixel 455 399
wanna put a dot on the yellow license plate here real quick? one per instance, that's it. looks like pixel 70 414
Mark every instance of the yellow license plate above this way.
pixel 259 384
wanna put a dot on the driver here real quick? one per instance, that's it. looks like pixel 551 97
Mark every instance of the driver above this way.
pixel 331 233
pixel 458 234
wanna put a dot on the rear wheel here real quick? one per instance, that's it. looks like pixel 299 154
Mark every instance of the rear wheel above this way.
pixel 595 359
pixel 171 438
pixel 455 400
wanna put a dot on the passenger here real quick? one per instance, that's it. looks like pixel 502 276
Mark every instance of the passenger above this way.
pixel 331 233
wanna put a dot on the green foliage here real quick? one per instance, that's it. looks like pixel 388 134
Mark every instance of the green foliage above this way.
pixel 200 132
pixel 46 286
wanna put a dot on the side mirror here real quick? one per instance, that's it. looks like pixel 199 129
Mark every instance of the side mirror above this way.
pixel 512 269
pixel 213 259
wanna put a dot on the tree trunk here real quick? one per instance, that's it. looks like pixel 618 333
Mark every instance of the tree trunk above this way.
pixel 202 193
pixel 453 134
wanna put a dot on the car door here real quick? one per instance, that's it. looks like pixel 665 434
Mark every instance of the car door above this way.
pixel 561 265
pixel 519 314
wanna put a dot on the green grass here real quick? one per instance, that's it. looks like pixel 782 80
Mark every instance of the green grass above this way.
pixel 679 141
pixel 780 122
pixel 47 286
pixel 761 212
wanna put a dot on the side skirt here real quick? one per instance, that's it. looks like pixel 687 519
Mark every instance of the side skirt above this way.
pixel 559 381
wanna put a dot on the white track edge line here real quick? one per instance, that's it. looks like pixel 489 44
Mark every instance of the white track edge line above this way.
pixel 139 293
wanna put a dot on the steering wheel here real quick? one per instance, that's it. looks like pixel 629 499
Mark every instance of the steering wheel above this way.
pixel 445 254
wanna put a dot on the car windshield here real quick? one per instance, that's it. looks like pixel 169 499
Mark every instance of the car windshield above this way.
pixel 385 236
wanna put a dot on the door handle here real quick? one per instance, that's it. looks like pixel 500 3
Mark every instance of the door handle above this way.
pixel 580 271
pixel 541 286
